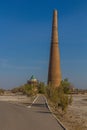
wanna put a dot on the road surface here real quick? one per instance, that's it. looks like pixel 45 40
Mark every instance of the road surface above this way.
pixel 19 117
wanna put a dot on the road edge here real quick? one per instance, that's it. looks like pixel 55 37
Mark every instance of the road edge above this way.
pixel 54 115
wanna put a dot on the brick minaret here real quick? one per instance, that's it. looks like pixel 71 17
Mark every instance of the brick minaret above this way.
pixel 54 72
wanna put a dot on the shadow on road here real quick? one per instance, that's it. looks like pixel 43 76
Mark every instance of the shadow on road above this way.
pixel 39 105
pixel 44 112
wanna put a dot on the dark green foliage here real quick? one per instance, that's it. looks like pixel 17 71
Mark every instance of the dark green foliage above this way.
pixel 41 88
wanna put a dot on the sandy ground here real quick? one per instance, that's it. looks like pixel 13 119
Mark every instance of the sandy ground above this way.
pixel 76 116
pixel 20 99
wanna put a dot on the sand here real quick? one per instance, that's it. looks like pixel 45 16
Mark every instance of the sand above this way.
pixel 76 116
pixel 19 99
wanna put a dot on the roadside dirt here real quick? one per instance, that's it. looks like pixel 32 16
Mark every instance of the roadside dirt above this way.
pixel 18 99
pixel 76 116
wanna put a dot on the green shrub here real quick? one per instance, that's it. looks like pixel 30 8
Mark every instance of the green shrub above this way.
pixel 59 96
pixel 26 89
pixel 65 84
pixel 41 88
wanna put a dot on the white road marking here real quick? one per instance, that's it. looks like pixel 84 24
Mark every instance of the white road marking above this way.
pixel 33 102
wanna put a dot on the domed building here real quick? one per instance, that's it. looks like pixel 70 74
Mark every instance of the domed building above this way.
pixel 32 81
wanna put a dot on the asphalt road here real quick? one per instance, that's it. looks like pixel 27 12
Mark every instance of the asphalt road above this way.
pixel 18 117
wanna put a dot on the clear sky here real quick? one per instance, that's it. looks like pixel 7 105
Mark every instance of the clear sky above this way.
pixel 25 35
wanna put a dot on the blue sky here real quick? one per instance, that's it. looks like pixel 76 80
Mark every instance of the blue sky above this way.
pixel 25 35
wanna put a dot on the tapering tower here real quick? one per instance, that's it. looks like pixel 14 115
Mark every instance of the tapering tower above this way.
pixel 54 72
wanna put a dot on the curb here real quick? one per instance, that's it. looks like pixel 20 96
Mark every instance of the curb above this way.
pixel 61 124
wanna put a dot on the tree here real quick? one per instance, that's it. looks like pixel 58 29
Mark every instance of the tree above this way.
pixel 41 88
pixel 65 84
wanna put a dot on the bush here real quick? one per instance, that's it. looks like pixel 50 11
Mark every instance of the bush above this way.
pixel 1 91
pixel 41 88
pixel 59 96
pixel 65 84
pixel 26 89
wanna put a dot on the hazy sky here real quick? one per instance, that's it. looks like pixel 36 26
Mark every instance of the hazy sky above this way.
pixel 25 35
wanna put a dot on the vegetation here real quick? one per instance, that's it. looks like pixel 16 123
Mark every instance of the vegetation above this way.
pixel 65 84
pixel 41 88
pixel 59 96
pixel 26 89
pixel 1 91
pixel 30 90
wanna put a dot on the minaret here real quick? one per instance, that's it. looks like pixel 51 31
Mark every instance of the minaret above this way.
pixel 54 72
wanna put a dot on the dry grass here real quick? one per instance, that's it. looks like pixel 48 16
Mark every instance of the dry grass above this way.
pixel 76 116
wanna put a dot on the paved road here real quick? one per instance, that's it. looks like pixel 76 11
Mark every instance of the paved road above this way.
pixel 18 117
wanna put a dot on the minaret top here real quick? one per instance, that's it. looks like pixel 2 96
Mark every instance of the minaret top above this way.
pixel 55 11
pixel 54 28
pixel 55 18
